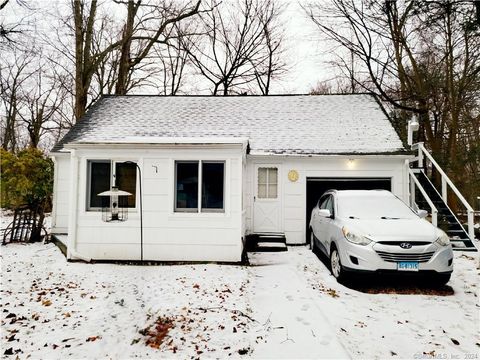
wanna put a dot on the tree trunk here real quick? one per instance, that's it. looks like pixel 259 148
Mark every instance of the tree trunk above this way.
pixel 124 62
pixel 84 67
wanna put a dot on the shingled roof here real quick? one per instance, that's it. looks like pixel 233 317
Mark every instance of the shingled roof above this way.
pixel 289 124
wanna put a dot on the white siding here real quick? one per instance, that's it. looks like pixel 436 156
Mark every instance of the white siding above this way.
pixel 168 236
pixel 61 188
pixel 293 194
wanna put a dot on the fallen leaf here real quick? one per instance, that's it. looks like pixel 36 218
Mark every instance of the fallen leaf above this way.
pixel 93 338
pixel 243 351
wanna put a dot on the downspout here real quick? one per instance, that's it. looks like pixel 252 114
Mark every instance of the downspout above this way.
pixel 72 218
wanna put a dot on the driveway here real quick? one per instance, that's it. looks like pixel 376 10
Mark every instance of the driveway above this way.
pixel 312 316
pixel 288 307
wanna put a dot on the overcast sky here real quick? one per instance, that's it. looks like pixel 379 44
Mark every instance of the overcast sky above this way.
pixel 305 53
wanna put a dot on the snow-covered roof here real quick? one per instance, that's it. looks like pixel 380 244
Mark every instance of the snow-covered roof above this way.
pixel 284 124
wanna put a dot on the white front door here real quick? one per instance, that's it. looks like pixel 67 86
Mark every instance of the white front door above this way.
pixel 266 201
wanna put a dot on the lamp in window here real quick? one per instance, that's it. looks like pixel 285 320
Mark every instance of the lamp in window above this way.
pixel 114 204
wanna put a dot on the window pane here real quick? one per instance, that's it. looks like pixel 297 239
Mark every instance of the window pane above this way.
pixel 212 185
pixel 126 180
pixel 262 191
pixel 186 186
pixel 272 191
pixel 262 182
pixel 272 175
pixel 330 205
pixel 262 175
pixel 99 181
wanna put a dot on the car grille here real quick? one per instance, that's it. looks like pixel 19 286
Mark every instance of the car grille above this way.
pixel 396 257
pixel 413 243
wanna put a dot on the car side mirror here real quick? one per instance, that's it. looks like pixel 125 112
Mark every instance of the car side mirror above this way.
pixel 422 213
pixel 324 213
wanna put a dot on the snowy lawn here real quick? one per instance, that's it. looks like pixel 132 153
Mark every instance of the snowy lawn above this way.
pixel 285 305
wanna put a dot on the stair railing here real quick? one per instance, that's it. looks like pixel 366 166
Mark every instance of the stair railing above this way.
pixel 414 181
pixel 446 182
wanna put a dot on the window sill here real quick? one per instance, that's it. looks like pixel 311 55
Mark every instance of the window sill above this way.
pixel 187 214
pixel 96 212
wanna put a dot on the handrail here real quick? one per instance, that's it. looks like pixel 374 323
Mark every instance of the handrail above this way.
pixel 426 197
pixel 446 181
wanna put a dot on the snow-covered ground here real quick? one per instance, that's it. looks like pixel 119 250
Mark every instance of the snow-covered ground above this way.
pixel 54 309
pixel 284 305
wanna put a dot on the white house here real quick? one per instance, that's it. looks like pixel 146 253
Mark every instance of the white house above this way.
pixel 215 169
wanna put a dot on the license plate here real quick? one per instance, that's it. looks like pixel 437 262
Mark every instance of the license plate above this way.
pixel 407 266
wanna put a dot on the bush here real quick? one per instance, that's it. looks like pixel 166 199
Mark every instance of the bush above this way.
pixel 26 179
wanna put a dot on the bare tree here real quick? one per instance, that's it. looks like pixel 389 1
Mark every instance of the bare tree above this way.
pixel 420 57
pixel 139 31
pixel 330 87
pixel 232 45
pixel 12 77
pixel 273 65
pixel 10 32
pixel 41 104
pixel 174 60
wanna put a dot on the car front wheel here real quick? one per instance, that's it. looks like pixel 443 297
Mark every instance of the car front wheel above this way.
pixel 336 265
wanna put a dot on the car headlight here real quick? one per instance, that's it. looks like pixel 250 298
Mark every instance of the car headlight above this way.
pixel 355 238
pixel 443 239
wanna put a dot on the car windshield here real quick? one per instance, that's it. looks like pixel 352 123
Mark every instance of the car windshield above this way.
pixel 373 207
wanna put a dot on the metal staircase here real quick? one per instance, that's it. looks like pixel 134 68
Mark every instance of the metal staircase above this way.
pixel 424 195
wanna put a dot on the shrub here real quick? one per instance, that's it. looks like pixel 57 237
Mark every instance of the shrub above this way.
pixel 26 179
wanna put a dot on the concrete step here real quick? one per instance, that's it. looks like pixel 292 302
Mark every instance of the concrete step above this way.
pixel 270 247
pixel 274 238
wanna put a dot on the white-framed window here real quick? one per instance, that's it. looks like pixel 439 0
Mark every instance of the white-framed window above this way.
pixel 267 183
pixel 199 186
pixel 103 174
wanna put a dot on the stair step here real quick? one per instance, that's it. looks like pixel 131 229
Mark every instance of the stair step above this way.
pixel 272 239
pixel 470 249
pixel 271 244
pixel 270 247
pixel 455 231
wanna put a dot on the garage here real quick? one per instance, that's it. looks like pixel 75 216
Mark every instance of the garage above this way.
pixel 317 186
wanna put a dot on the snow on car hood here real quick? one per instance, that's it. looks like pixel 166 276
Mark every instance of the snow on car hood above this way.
pixel 393 229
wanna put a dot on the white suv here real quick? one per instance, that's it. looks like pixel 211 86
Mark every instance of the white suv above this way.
pixel 373 231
